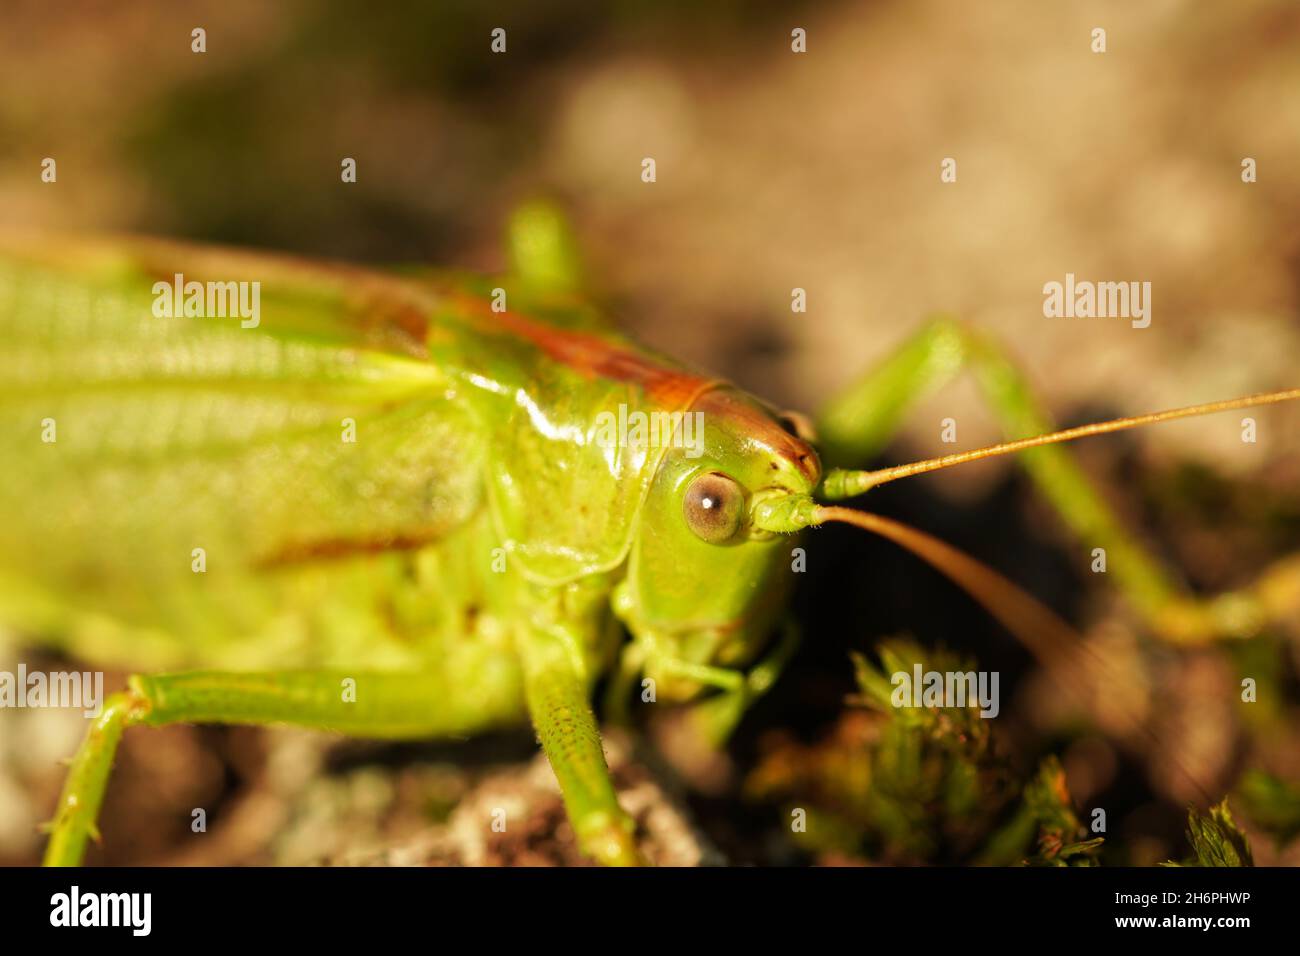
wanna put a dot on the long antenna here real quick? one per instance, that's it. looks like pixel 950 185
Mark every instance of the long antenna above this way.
pixel 842 483
pixel 1049 638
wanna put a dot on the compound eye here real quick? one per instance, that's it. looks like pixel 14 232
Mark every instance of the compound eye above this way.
pixel 714 507
pixel 799 425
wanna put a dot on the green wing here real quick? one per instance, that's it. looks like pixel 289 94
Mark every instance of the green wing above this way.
pixel 177 434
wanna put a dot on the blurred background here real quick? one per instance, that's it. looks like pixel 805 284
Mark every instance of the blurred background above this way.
pixel 775 170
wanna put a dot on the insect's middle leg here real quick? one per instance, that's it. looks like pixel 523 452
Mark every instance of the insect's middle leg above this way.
pixel 379 705
pixel 558 693
pixel 857 424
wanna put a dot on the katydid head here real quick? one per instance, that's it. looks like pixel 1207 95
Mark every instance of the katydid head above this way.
pixel 705 585
pixel 710 565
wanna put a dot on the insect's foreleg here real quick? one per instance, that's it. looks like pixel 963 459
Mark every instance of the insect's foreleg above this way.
pixel 857 424
pixel 387 705
pixel 718 716
pixel 627 669
pixel 557 689
pixel 83 791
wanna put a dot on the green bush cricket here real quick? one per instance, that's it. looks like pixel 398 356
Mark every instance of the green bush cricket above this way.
pixel 380 504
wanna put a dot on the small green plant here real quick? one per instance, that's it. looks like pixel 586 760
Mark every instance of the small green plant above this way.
pixel 917 785
pixel 1215 839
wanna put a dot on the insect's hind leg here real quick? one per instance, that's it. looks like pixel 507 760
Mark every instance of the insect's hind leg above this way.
pixel 857 425
pixel 380 705
pixel 83 791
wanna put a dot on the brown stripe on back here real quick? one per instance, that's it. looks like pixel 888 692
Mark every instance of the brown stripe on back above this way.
pixel 382 302
pixel 335 549
pixel 593 356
